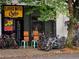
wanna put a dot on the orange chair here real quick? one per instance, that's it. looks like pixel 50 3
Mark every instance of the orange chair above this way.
pixel 26 39
pixel 35 35
pixel 26 36
pixel 26 33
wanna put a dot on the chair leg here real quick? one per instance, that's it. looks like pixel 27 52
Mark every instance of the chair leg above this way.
pixel 27 44
pixel 24 44
pixel 34 44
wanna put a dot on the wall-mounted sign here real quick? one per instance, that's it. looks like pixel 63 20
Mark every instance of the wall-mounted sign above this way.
pixel 13 11
pixel 8 25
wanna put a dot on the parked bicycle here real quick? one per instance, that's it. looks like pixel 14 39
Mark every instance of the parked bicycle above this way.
pixel 49 43
pixel 8 41
pixel 76 38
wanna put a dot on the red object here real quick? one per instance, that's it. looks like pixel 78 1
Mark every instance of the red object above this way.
pixel 8 28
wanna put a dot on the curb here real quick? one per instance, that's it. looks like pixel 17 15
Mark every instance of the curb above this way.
pixel 41 53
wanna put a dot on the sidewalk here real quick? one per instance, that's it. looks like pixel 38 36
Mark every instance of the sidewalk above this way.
pixel 30 52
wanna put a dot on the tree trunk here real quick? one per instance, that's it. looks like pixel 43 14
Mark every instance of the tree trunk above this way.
pixel 69 42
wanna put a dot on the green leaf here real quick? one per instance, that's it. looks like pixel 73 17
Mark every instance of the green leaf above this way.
pixel 48 8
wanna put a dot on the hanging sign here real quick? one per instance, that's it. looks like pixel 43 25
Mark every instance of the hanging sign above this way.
pixel 13 11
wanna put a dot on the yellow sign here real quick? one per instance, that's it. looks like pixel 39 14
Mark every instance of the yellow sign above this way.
pixel 9 23
pixel 13 11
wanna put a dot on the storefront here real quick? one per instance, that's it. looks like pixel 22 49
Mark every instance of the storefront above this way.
pixel 12 21
pixel 15 20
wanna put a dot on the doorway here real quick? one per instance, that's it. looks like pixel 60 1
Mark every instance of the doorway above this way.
pixel 19 29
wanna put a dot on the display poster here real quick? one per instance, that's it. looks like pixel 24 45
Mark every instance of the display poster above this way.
pixel 8 25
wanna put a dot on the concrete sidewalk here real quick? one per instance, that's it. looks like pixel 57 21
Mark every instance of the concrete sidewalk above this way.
pixel 30 52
